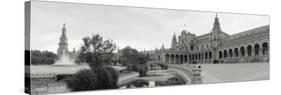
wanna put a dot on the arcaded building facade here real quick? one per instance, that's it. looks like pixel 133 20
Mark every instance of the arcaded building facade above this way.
pixel 250 46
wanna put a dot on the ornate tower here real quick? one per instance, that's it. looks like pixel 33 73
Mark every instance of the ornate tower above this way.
pixel 63 45
pixel 215 34
pixel 174 41
pixel 215 39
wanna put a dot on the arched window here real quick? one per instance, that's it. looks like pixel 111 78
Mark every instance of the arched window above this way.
pixel 177 59
pixel 257 49
pixel 249 50
pixel 220 54
pixel 230 52
pixel 210 55
pixel 202 55
pixel 172 58
pixel 167 57
pixel 206 55
pixel 265 48
pixel 225 54
pixel 193 56
pixel 181 59
pixel 185 58
pixel 236 52
pixel 242 49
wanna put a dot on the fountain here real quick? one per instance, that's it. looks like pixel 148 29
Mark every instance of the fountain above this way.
pixel 64 60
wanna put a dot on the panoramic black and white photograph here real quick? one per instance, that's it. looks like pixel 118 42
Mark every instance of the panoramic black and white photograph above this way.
pixel 86 47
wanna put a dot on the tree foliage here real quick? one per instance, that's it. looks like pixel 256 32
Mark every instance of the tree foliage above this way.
pixel 107 78
pixel 114 76
pixel 100 78
pixel 42 57
pixel 98 53
pixel 83 80
pixel 134 60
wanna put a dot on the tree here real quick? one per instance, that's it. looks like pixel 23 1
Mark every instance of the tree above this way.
pixel 143 58
pixel 42 57
pixel 98 53
pixel 130 57
pixel 135 60
pixel 141 68
pixel 100 78
pixel 83 80
pixel 106 78
pixel 114 77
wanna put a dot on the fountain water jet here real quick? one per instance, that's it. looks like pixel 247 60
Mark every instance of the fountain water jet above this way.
pixel 65 60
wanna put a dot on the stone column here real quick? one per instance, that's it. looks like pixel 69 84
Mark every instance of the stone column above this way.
pixel 260 54
pixel 238 56
pixel 260 51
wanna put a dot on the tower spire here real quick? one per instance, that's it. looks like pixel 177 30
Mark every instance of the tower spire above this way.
pixel 216 25
pixel 216 30
pixel 63 28
pixel 63 45
pixel 216 15
pixel 174 41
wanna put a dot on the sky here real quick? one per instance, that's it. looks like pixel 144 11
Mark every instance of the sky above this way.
pixel 140 28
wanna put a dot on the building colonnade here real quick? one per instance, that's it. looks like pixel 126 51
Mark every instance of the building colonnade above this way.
pixel 258 52
pixel 248 53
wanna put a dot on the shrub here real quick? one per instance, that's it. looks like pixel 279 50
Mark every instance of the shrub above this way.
pixel 99 78
pixel 140 83
pixel 42 57
pixel 83 80
pixel 141 69
pixel 114 76
pixel 106 79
